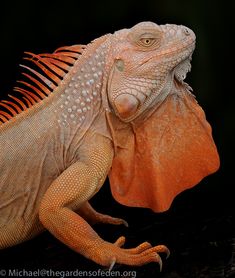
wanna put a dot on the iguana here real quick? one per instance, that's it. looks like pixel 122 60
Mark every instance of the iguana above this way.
pixel 118 106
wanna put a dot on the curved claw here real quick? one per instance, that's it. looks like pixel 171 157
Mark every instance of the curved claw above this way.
pixel 168 252
pixel 125 223
pixel 162 249
pixel 113 261
pixel 159 261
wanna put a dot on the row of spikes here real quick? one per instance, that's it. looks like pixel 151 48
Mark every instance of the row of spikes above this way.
pixel 53 67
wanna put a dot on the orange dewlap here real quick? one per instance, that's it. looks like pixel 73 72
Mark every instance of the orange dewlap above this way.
pixel 171 151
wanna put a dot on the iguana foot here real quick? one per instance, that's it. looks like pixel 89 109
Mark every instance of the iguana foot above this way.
pixel 94 217
pixel 106 219
pixel 108 254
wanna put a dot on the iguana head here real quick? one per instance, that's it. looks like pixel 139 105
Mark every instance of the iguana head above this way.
pixel 146 59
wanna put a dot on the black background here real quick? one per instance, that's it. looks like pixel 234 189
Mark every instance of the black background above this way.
pixel 200 221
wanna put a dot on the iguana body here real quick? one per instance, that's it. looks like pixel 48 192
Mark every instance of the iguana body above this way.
pixel 55 155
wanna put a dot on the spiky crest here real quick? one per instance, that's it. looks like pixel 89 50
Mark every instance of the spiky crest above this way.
pixel 53 68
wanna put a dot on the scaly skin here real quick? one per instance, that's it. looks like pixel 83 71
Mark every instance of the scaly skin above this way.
pixel 56 155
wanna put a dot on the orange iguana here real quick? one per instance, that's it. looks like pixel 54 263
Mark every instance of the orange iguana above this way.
pixel 117 106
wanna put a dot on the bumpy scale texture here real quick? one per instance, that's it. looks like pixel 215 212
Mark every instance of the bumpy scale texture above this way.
pixel 119 107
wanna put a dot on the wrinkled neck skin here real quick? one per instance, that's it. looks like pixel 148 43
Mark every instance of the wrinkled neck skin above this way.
pixel 171 86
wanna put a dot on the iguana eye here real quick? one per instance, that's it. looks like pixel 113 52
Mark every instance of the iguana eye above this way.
pixel 147 36
pixel 147 41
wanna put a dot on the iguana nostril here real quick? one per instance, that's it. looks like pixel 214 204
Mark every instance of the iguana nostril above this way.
pixel 126 105
pixel 186 31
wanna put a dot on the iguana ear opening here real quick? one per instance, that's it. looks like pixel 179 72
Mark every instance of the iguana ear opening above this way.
pixel 171 151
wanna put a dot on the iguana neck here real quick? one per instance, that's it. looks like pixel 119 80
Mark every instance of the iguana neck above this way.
pixel 80 95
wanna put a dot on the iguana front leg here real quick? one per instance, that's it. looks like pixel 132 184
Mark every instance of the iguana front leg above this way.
pixel 75 186
pixel 93 217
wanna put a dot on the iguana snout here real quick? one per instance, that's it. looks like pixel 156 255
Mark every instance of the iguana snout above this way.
pixel 146 60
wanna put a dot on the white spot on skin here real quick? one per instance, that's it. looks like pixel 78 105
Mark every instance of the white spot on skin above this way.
pixel 95 75
pixel 72 116
pixel 94 93
pixel 69 110
pixel 77 100
pixel 82 104
pixel 79 111
pixel 76 85
pixel 66 102
pixel 74 107
pixel 88 100
pixel 84 93
pixel 84 109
